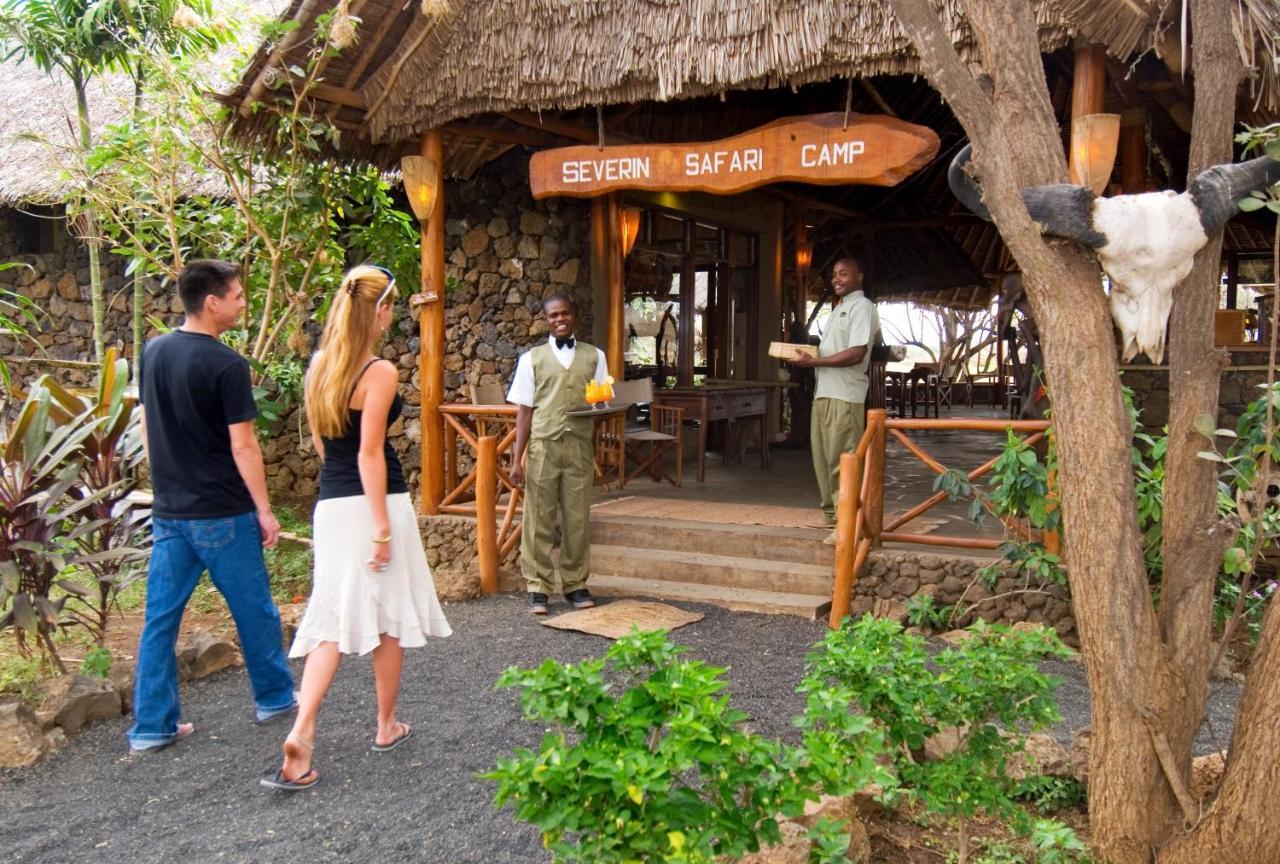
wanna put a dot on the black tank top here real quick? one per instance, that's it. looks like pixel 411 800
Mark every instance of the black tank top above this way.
pixel 340 472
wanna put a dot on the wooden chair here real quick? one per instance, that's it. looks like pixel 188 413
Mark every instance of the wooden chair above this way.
pixel 648 446
pixel 490 394
pixel 611 449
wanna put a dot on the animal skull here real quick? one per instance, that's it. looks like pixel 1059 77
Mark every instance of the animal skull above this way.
pixel 1146 243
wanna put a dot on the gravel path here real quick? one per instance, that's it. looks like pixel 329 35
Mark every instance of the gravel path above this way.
pixel 199 801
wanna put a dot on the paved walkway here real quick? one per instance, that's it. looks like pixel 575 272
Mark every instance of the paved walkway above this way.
pixel 199 801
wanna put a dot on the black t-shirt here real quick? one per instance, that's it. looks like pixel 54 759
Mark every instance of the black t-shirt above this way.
pixel 340 473
pixel 192 388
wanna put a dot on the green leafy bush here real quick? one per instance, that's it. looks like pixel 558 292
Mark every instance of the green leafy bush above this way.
pixel 1051 794
pixel 645 759
pixel 988 688
pixel 923 611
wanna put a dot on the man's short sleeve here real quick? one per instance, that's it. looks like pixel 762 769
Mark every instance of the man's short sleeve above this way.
pixel 236 390
pixel 602 366
pixel 522 384
pixel 861 324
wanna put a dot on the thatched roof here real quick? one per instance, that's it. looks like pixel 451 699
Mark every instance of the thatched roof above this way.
pixel 38 114
pixel 410 72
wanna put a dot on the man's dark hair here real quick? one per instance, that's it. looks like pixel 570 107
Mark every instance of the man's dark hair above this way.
pixel 203 277
pixel 558 296
pixel 852 259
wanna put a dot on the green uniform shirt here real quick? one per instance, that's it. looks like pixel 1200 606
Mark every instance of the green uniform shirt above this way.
pixel 853 322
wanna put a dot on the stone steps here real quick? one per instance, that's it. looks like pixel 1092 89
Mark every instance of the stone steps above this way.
pixel 800 545
pixel 741 567
pixel 809 606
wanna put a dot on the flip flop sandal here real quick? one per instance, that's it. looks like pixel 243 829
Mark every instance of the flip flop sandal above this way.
pixel 278 782
pixel 391 745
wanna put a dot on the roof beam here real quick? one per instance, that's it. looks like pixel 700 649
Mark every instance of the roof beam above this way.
pixel 337 96
pixel 503 136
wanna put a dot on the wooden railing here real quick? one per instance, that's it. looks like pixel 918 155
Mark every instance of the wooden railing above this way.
pixel 488 433
pixel 860 525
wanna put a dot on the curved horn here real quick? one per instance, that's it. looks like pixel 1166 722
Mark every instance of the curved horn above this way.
pixel 1061 209
pixel 1217 191
pixel 963 186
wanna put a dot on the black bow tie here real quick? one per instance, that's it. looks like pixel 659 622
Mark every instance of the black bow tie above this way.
pixel 564 343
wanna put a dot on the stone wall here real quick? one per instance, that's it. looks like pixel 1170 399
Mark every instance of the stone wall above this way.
pixel 1241 380
pixel 58 281
pixel 451 552
pixel 892 577
pixel 503 253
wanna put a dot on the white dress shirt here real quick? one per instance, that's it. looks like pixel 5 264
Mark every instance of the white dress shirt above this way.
pixel 522 384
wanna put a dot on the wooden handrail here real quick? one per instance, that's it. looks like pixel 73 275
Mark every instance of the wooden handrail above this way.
pixel 860 524
pixel 467 409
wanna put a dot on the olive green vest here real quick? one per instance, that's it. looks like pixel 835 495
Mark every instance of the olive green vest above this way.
pixel 557 390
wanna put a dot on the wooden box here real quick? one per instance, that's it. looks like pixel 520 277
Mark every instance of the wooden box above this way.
pixel 1228 327
pixel 790 350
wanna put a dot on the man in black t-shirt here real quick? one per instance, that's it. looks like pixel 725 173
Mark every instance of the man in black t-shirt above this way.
pixel 210 510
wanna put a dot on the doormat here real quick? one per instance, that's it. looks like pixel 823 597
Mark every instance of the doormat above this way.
pixel 615 619
pixel 721 512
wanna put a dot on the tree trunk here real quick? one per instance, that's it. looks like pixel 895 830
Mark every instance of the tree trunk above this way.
pixel 1132 806
pixel 139 292
pixel 90 224
pixel 1193 540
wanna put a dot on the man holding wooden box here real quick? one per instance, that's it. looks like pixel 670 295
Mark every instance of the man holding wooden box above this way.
pixel 839 414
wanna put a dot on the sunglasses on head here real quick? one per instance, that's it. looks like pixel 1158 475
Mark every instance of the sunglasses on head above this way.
pixel 386 292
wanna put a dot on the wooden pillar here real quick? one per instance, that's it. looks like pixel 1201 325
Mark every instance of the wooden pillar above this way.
pixel 688 296
pixel 796 308
pixel 1133 151
pixel 1089 84
pixel 1233 280
pixel 486 512
pixel 431 345
pixel 615 343
pixel 1088 92
pixel 846 537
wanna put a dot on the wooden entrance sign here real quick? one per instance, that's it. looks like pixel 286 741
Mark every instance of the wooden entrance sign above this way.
pixel 875 150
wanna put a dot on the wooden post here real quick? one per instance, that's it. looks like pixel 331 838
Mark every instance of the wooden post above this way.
pixel 486 512
pixel 874 502
pixel 1089 84
pixel 846 541
pixel 1133 151
pixel 431 345
pixel 615 345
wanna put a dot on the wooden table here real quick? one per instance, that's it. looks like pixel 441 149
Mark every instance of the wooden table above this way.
pixel 728 402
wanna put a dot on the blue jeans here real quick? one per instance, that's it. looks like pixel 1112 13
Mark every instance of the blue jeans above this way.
pixel 231 550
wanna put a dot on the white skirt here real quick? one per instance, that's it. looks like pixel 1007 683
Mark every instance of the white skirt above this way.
pixel 351 604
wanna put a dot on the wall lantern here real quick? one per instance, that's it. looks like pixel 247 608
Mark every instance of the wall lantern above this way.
pixel 628 227
pixel 1094 138
pixel 421 184
pixel 804 259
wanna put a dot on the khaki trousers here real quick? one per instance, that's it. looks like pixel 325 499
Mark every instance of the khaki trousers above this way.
pixel 558 480
pixel 835 427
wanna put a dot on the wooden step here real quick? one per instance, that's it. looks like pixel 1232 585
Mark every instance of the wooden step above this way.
pixel 806 606
pixel 801 545
pixel 727 571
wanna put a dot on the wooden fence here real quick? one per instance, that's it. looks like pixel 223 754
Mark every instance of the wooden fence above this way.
pixel 860 525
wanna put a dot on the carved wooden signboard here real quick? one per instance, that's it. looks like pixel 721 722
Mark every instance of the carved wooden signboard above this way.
pixel 819 149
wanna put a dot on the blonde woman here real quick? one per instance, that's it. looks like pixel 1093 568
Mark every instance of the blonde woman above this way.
pixel 372 589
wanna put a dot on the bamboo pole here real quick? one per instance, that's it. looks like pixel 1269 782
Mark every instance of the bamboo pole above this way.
pixel 966 424
pixel 846 539
pixel 616 343
pixel 940 540
pixel 873 503
pixel 486 513
pixel 432 339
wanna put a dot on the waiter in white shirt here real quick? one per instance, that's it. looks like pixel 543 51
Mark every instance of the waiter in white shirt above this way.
pixel 551 380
